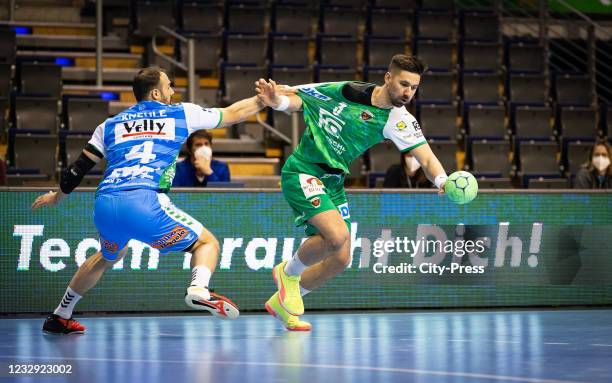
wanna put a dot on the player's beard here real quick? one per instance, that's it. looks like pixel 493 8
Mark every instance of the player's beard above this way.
pixel 399 102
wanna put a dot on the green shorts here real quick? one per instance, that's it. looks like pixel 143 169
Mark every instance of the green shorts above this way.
pixel 310 190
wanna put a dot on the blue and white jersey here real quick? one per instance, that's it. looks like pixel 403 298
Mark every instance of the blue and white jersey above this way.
pixel 141 143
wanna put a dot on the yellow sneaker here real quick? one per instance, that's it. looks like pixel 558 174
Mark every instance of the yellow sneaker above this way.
pixel 291 322
pixel 288 290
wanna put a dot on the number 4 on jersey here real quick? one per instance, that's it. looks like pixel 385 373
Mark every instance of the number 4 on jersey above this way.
pixel 142 151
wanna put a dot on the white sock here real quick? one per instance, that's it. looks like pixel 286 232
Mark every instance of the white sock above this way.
pixel 294 266
pixel 303 291
pixel 200 276
pixel 70 299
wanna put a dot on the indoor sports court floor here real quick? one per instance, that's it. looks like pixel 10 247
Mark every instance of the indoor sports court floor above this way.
pixel 434 346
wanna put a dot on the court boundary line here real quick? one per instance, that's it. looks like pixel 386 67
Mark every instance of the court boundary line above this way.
pixel 307 365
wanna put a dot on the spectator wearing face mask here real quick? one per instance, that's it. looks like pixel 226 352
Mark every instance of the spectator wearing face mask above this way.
pixel 596 173
pixel 199 167
pixel 407 174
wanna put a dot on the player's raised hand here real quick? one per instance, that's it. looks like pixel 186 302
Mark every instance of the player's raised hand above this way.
pixel 266 92
pixel 50 199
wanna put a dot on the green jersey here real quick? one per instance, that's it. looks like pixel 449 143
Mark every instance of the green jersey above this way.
pixel 341 124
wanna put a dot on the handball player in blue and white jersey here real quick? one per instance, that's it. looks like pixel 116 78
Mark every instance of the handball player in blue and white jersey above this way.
pixel 141 145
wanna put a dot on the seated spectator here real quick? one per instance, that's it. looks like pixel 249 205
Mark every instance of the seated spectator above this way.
pixel 199 167
pixel 596 173
pixel 407 174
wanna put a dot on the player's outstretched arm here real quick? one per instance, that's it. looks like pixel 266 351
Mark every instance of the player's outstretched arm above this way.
pixel 70 178
pixel 240 111
pixel 278 97
pixel 431 166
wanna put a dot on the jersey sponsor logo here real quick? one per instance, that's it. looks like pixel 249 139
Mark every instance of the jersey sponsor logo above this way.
pixel 316 202
pixel 171 238
pixel 366 115
pixel 416 125
pixel 338 110
pixel 129 172
pixel 161 128
pixel 344 211
pixel 315 93
pixel 311 186
pixel 330 123
pixel 401 125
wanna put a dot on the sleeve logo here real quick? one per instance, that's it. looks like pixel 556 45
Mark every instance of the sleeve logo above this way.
pixel 400 125
pixel 416 125
pixel 366 115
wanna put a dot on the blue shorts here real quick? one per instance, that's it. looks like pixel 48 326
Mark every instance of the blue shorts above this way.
pixel 143 215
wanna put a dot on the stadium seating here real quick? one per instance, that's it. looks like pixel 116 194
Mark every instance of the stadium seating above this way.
pixel 438 55
pixel 246 50
pixel 380 51
pixel 246 19
pixel 438 121
pixel 336 21
pixel 340 53
pixel 525 58
pixel 481 88
pixel 5 80
pixel 480 57
pixel 573 90
pixel 289 51
pixel 84 114
pixel 435 25
pixel 531 89
pixel 40 79
pixel 391 23
pixel 439 88
pixel 485 121
pixel 208 48
pixel 532 123
pixel 198 17
pixel 35 114
pixel 293 20
pixel 7 47
pixel 490 158
pixel 479 26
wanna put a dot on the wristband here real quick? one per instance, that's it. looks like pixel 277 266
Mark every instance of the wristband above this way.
pixel 284 104
pixel 440 180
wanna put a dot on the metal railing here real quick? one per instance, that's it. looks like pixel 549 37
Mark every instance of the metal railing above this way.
pixel 293 141
pixel 192 82
pixel 533 19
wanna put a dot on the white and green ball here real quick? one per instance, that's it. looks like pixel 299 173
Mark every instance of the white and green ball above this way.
pixel 461 187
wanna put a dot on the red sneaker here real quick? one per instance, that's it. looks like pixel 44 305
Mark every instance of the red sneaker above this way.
pixel 55 324
pixel 218 305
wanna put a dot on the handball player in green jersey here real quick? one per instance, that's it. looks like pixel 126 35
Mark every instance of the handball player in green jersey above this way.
pixel 343 120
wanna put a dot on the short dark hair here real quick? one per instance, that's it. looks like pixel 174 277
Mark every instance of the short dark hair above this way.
pixel 411 64
pixel 146 80
pixel 197 134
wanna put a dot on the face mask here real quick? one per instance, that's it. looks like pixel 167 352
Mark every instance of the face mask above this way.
pixel 601 163
pixel 412 164
pixel 204 152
